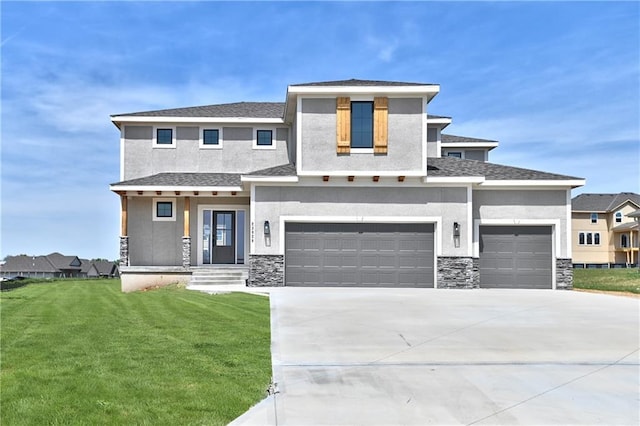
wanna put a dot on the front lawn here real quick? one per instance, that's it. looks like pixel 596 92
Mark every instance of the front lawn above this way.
pixel 625 280
pixel 82 352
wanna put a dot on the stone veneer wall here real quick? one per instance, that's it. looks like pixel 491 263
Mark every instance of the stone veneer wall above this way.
pixel 564 274
pixel 124 251
pixel 458 272
pixel 266 270
pixel 186 252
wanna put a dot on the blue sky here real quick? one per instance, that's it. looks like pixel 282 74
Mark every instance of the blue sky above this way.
pixel 558 84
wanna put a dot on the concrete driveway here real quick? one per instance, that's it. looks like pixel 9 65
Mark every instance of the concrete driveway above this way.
pixel 423 356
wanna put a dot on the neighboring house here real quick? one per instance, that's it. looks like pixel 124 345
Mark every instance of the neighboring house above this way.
pixel 103 269
pixel 54 265
pixel 605 233
pixel 346 183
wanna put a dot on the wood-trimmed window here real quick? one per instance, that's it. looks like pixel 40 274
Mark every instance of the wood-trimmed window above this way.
pixel 362 134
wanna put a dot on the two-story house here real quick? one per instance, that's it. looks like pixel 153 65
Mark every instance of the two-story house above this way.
pixel 346 183
pixel 605 233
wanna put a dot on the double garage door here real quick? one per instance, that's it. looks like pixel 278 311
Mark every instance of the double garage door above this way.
pixel 515 257
pixel 359 254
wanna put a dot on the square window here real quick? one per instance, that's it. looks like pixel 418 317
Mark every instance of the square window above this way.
pixel 164 136
pixel 264 138
pixel 362 124
pixel 210 137
pixel 594 217
pixel 164 209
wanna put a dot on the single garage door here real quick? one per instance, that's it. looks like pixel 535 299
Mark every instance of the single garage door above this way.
pixel 361 255
pixel 515 257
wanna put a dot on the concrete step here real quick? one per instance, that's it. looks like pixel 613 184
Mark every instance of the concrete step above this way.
pixel 218 276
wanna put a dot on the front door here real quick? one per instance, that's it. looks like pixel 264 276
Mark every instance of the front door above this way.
pixel 223 241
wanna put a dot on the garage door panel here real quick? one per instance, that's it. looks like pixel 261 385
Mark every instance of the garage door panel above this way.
pixel 362 254
pixel 515 257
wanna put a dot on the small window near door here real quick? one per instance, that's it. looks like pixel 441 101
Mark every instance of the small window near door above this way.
pixel 164 209
pixel 624 241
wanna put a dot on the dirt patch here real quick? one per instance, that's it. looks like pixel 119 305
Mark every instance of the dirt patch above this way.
pixel 612 293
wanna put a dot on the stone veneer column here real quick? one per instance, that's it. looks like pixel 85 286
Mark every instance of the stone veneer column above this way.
pixel 124 251
pixel 564 274
pixel 266 270
pixel 186 252
pixel 458 272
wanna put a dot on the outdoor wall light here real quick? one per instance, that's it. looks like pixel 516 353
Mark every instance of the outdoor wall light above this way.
pixel 456 229
pixel 267 228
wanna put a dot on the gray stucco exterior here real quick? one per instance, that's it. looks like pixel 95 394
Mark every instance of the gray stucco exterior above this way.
pixel 237 154
pixel 446 205
pixel 318 142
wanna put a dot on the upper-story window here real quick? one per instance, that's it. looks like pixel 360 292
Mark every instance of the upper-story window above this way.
pixel 164 137
pixel 594 217
pixel 618 217
pixel 361 124
pixel 624 241
pixel 210 137
pixel 264 138
pixel 456 154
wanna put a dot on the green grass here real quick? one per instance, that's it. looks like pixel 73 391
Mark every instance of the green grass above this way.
pixel 82 352
pixel 624 280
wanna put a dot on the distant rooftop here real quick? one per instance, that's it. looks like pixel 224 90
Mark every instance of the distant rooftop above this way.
pixel 603 202
pixel 231 110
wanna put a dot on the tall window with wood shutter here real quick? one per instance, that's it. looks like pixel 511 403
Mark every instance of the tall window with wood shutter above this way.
pixel 343 119
pixel 380 130
pixel 380 125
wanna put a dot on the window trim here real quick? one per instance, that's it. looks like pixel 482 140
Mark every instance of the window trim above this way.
pixel 584 235
pixel 351 138
pixel 274 138
pixel 154 208
pixel 591 217
pixel 155 137
pixel 201 143
pixel 617 215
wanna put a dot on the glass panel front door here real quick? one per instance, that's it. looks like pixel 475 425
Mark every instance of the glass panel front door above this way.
pixel 223 234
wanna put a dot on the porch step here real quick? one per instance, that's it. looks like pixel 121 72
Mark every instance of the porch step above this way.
pixel 218 276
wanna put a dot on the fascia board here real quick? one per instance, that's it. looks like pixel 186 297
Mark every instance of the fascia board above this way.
pixel 534 183
pixel 222 120
pixel 438 120
pixel 275 179
pixel 365 173
pixel 176 188
pixel 453 179
pixel 469 144
pixel 392 90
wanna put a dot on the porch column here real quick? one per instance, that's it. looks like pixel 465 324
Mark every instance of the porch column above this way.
pixel 186 235
pixel 124 236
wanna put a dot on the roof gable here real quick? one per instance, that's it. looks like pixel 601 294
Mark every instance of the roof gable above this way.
pixel 603 203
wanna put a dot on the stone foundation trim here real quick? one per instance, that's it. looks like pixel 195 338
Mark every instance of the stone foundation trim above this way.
pixel 186 252
pixel 457 272
pixel 564 274
pixel 266 270
pixel 124 251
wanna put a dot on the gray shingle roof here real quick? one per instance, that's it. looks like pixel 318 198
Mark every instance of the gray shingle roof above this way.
pixel 602 202
pixel 19 264
pixel 283 170
pixel 356 82
pixel 237 109
pixel 464 139
pixel 456 167
pixel 629 226
pixel 185 179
